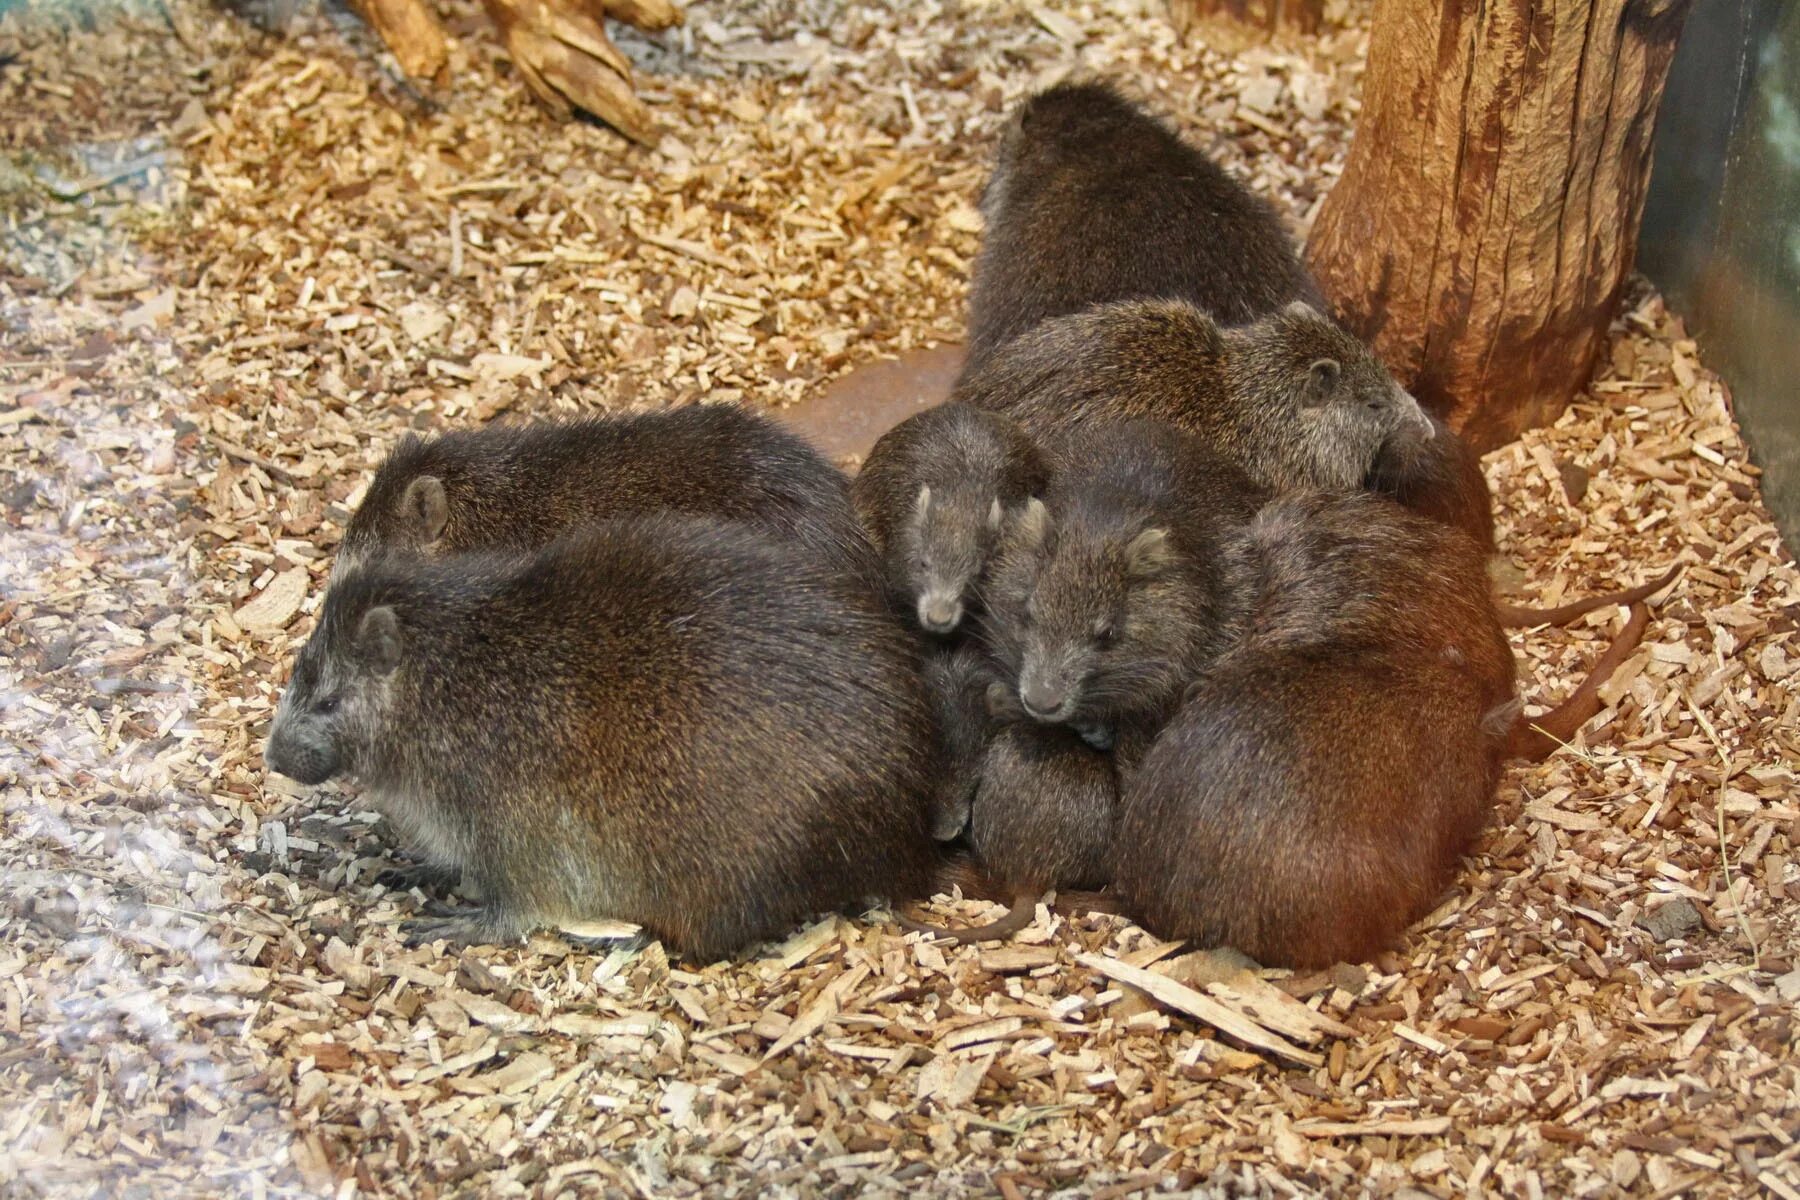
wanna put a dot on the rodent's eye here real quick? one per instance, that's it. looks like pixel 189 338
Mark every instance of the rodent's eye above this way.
pixel 327 706
pixel 1106 633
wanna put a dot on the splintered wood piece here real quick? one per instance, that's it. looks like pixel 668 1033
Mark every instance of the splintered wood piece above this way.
pixel 411 31
pixel 568 62
pixel 1217 1013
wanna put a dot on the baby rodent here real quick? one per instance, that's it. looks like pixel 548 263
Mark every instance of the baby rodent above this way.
pixel 670 720
pixel 1092 200
pixel 517 487
pixel 1290 399
pixel 1104 599
pixel 935 491
pixel 957 678
pixel 1314 793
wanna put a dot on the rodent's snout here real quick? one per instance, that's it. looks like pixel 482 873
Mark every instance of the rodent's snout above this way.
pixel 1411 412
pixel 1045 698
pixel 940 612
pixel 306 760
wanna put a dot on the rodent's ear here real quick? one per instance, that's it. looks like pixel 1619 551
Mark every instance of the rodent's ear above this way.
pixel 1300 310
pixel 1321 382
pixel 378 639
pixel 922 505
pixel 425 508
pixel 1034 523
pixel 1149 553
pixel 996 515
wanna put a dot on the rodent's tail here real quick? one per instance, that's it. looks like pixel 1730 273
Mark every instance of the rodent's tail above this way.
pixel 1536 738
pixel 960 871
pixel 1024 908
pixel 1515 617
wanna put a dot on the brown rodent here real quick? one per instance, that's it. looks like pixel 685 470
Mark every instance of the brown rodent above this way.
pixel 1291 399
pixel 670 720
pixel 1093 200
pixel 1317 788
pixel 935 492
pixel 1104 599
pixel 957 678
pixel 516 487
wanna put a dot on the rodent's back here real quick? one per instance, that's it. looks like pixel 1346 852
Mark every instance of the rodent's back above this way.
pixel 1315 790
pixel 1093 200
pixel 519 486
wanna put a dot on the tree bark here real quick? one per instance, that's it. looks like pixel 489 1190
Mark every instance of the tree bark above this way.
pixel 410 31
pixel 1488 215
pixel 568 62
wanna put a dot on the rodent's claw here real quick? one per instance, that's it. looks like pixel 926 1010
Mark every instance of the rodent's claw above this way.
pixel 463 929
pixel 418 875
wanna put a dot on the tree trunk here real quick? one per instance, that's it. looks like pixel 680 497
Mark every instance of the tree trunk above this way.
pixel 1488 215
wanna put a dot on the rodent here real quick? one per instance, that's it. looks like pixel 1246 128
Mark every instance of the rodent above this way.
pixel 518 486
pixel 1318 786
pixel 1105 599
pixel 935 492
pixel 671 720
pixel 1093 200
pixel 1290 399
pixel 957 678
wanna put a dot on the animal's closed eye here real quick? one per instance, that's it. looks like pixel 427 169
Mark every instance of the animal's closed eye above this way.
pixel 327 706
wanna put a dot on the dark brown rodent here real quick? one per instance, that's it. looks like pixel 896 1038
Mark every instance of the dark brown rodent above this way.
pixel 516 487
pixel 1093 200
pixel 1315 792
pixel 1291 399
pixel 1044 810
pixel 669 720
pixel 957 678
pixel 1104 599
pixel 935 492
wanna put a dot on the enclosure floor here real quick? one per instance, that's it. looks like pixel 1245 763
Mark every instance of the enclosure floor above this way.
pixel 233 270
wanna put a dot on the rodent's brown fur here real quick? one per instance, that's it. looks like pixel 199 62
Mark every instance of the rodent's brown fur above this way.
pixel 1093 200
pixel 1319 785
pixel 1291 399
pixel 518 486
pixel 669 720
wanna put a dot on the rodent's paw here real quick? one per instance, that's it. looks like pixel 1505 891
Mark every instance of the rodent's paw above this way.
pixel 462 927
pixel 1099 737
pixel 424 876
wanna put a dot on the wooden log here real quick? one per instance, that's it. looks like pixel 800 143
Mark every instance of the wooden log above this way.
pixel 1488 214
pixel 1306 16
pixel 411 31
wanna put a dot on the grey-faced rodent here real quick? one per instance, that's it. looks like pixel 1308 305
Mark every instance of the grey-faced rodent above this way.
pixel 1104 599
pixel 670 720
pixel 935 492
pixel 1092 200
pixel 517 487
pixel 1319 784
pixel 1290 399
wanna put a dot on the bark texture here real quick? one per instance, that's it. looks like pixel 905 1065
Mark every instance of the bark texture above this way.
pixel 411 31
pixel 1487 217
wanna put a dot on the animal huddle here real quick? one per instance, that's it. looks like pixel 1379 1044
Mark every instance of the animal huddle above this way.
pixel 1179 596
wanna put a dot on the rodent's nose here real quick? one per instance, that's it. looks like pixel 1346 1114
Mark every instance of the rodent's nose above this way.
pixel 1412 411
pixel 304 762
pixel 940 613
pixel 1043 700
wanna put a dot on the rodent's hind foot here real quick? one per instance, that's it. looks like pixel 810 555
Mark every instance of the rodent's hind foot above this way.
pixel 460 927
pixel 421 875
